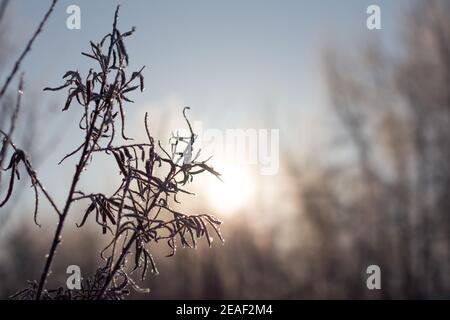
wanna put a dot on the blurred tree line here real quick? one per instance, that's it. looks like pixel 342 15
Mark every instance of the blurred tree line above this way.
pixel 387 203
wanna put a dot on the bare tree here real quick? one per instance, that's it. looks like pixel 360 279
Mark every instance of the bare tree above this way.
pixel 395 111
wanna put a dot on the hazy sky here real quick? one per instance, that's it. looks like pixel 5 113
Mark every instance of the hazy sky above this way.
pixel 222 56
pixel 237 63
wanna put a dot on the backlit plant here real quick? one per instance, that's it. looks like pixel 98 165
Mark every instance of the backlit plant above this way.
pixel 140 211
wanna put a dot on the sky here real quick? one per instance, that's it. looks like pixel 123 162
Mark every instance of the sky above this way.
pixel 220 57
pixel 237 64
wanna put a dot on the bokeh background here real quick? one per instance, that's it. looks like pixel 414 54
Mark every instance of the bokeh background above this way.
pixel 364 122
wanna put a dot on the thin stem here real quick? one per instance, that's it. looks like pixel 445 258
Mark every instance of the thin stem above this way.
pixel 62 217
pixel 3 6
pixel 27 49
pixel 41 187
pixel 119 218
pixel 14 117
pixel 117 266
pixel 34 176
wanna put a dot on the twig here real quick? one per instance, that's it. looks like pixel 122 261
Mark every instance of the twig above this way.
pixel 27 49
pixel 3 7
pixel 8 136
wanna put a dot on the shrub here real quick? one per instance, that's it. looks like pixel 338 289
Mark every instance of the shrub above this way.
pixel 139 212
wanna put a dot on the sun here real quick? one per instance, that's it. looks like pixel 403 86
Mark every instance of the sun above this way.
pixel 234 192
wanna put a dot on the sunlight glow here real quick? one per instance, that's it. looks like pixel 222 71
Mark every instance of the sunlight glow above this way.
pixel 234 192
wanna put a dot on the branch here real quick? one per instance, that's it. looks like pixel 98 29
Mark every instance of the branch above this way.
pixel 27 49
